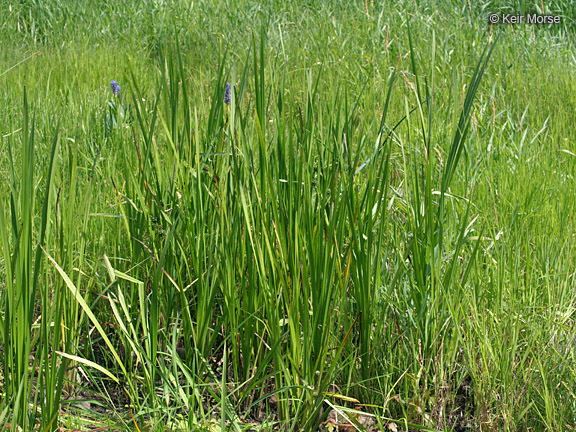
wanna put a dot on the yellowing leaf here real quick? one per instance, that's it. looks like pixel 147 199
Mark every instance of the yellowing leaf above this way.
pixel 88 363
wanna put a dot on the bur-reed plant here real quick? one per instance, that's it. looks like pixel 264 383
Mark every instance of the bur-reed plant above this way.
pixel 258 257
pixel 257 232
pixel 33 375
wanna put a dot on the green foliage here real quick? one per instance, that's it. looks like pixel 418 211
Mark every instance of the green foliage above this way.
pixel 379 221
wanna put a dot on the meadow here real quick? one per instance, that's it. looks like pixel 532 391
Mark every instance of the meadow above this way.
pixel 297 216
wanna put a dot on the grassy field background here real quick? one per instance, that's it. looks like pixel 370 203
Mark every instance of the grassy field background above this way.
pixel 375 233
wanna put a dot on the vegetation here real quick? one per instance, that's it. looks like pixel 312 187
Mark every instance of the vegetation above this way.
pixel 291 216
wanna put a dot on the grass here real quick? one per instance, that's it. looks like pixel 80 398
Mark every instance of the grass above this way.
pixel 376 231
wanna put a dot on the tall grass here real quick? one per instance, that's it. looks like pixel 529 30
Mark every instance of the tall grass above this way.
pixel 371 225
pixel 31 373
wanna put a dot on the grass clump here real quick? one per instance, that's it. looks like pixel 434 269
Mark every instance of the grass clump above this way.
pixel 351 218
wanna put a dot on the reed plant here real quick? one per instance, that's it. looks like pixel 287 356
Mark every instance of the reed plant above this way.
pixel 342 216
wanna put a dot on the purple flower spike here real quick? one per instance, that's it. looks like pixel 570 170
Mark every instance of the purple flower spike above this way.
pixel 227 94
pixel 115 88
